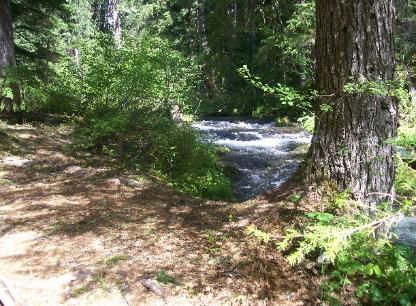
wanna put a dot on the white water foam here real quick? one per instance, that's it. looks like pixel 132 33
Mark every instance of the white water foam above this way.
pixel 264 155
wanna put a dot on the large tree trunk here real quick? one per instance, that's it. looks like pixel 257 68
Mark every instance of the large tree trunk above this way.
pixel 202 33
pixel 7 53
pixel 106 12
pixel 354 43
pixel 202 27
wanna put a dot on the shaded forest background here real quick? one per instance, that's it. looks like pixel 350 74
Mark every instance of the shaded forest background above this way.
pixel 198 48
pixel 197 45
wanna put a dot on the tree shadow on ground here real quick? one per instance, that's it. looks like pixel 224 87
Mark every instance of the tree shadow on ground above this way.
pixel 86 217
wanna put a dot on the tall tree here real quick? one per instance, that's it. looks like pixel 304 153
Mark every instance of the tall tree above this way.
pixel 7 53
pixel 108 18
pixel 26 41
pixel 354 44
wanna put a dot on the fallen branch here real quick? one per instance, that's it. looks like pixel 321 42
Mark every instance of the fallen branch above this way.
pixel 154 286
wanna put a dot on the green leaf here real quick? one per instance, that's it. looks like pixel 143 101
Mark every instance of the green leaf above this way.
pixel 324 218
pixel 377 270
pixel 295 198
pixel 368 269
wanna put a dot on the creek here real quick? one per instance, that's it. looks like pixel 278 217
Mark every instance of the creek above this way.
pixel 262 155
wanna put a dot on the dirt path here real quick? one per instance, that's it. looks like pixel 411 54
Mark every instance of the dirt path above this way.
pixel 77 235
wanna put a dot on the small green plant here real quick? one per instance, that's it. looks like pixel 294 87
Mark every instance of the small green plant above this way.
pixel 232 218
pixel 115 260
pixel 339 200
pixel 224 237
pixel 4 181
pixel 164 278
pixel 214 250
pixel 384 274
pixel 102 283
pixel 56 226
pixel 355 251
pixel 211 237
pixel 79 291
pixel 295 198
pixel 323 218
pixel 214 242
pixel 253 231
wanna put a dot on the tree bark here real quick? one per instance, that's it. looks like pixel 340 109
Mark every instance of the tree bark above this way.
pixel 202 27
pixel 354 42
pixel 109 19
pixel 209 89
pixel 7 54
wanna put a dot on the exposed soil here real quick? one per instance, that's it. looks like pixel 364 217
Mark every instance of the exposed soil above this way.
pixel 76 234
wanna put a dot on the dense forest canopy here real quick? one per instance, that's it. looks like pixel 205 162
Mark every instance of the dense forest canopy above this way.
pixel 274 39
pixel 131 76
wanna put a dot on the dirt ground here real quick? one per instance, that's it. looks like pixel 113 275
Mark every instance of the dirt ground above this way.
pixel 76 234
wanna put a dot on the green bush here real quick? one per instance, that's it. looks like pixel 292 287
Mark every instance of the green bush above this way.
pixel 354 252
pixel 125 95
pixel 382 273
pixel 149 141
pixel 143 72
pixel 405 182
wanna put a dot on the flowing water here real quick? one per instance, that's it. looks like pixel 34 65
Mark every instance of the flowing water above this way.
pixel 262 155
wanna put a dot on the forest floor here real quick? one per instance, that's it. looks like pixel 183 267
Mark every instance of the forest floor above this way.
pixel 74 231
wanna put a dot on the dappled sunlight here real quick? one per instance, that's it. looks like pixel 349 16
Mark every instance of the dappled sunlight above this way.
pixel 81 233
pixel 231 152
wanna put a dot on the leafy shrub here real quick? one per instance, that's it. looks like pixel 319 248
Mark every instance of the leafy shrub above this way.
pixel 143 72
pixel 405 182
pixel 384 274
pixel 378 271
pixel 126 95
pixel 354 251
pixel 151 141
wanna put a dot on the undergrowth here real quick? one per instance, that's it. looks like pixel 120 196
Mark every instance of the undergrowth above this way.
pixel 361 255
pixel 357 253
pixel 150 142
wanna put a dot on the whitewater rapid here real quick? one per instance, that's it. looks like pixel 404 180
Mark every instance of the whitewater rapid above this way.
pixel 264 156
